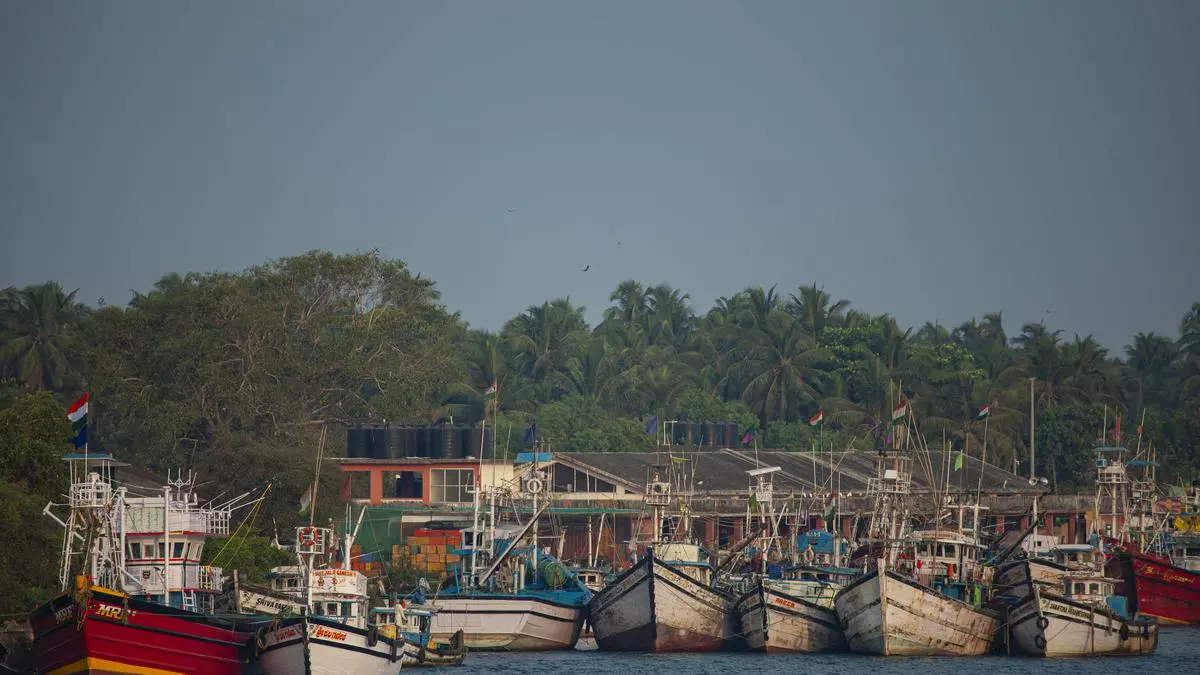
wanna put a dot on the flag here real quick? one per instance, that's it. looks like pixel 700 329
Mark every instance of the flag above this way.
pixel 306 499
pixel 748 437
pixel 1117 429
pixel 530 434
pixel 77 414
pixel 830 509
pixel 344 494
pixel 900 412
pixel 490 393
pixel 817 418
pixel 1139 431
pixel 958 461
pixel 983 412
pixel 652 425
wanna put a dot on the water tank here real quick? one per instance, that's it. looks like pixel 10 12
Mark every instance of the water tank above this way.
pixel 395 440
pixel 489 437
pixel 356 442
pixel 679 433
pixel 379 445
pixel 719 435
pixel 710 435
pixel 452 440
pixel 419 442
pixel 732 438
pixel 437 443
pixel 471 444
pixel 464 439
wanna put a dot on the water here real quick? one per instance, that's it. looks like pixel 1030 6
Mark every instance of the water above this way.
pixel 1178 650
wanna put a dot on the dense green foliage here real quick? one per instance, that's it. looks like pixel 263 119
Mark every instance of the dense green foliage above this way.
pixel 234 375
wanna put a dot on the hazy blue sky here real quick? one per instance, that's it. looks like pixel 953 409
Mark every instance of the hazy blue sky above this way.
pixel 935 160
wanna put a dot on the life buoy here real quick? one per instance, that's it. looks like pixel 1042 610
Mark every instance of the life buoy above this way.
pixel 808 554
pixel 1043 622
pixel 1039 642
pixel 308 536
pixel 1124 632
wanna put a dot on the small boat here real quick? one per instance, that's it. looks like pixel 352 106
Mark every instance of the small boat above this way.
pixel 789 604
pixel 332 636
pixel 420 649
pixel 1065 606
pixel 791 615
pixel 666 602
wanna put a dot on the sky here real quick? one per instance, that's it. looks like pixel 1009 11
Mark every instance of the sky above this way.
pixel 931 159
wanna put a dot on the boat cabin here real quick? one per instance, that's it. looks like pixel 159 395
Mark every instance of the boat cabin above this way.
pixel 941 554
pixel 689 559
pixel 1088 589
pixel 1078 556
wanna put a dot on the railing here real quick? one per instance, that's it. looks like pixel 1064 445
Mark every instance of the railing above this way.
pixel 95 493
pixel 209 578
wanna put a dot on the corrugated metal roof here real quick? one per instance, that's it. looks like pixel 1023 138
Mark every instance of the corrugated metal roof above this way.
pixel 724 471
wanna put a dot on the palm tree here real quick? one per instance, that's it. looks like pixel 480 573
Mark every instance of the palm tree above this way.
pixel 1149 357
pixel 670 319
pixel 543 341
pixel 1189 333
pixel 630 306
pixel 932 334
pixel 38 325
pixel 779 367
pixel 814 308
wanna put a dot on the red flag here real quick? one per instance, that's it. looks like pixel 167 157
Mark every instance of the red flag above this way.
pixel 344 494
pixel 1117 429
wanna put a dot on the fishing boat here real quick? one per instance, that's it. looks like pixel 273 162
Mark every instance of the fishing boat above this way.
pixel 789 606
pixel 1155 573
pixel 666 602
pixel 511 595
pixel 1067 607
pixel 332 634
pixel 414 625
pixel 132 581
pixel 921 591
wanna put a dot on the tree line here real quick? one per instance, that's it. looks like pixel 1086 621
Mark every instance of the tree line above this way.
pixel 234 374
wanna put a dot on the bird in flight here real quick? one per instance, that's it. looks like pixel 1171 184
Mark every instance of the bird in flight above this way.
pixel 587 268
pixel 510 210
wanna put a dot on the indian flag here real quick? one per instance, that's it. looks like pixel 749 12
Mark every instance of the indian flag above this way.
pixel 816 419
pixel 900 412
pixel 490 392
pixel 306 499
pixel 983 412
pixel 77 414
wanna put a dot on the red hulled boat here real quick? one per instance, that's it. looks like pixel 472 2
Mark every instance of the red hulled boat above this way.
pixel 1156 588
pixel 135 596
pixel 96 630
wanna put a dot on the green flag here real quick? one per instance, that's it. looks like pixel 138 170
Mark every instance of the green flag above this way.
pixel 490 392
pixel 958 461
pixel 829 510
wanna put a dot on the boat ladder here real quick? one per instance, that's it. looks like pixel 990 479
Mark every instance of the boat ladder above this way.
pixel 189 600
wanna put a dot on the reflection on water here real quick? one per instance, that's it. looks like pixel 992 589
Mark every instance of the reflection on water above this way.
pixel 1178 650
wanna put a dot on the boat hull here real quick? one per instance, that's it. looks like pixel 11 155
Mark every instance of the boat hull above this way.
pixel 775 622
pixel 311 646
pixel 119 634
pixel 1156 588
pixel 1047 625
pixel 886 614
pixel 655 608
pixel 418 653
pixel 508 623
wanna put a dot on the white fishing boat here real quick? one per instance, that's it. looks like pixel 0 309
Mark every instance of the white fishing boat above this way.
pixel 789 607
pixel 1079 616
pixel 332 636
pixel 513 596
pixel 781 616
pixel 414 623
pixel 666 602
pixel 921 593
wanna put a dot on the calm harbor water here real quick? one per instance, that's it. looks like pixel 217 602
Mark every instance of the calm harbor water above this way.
pixel 1178 652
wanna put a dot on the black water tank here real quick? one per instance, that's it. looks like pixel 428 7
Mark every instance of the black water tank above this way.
pixel 464 439
pixel 356 442
pixel 679 433
pixel 710 435
pixel 719 435
pixel 437 443
pixel 420 442
pixel 732 439
pixel 452 440
pixel 395 441
pixel 694 437
pixel 473 437
pixel 488 448
pixel 378 442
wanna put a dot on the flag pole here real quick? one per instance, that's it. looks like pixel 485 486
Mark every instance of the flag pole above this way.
pixel 982 458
